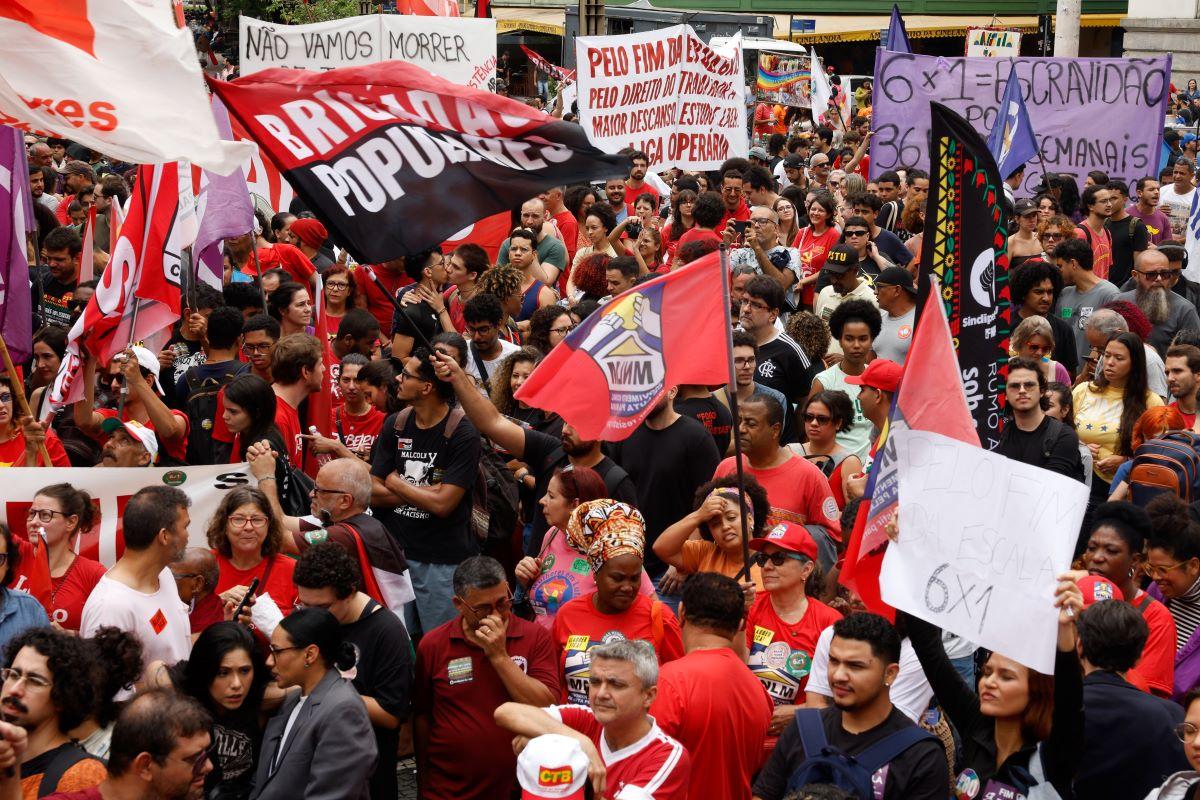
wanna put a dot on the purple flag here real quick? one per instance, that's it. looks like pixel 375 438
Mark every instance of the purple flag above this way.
pixel 16 220
pixel 225 210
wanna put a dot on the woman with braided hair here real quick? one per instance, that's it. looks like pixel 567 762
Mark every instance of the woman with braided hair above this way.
pixel 612 535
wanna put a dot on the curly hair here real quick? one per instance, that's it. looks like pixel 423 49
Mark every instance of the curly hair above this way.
pixel 503 282
pixel 708 210
pixel 574 196
pixel 73 674
pixel 810 332
pixel 1022 279
pixel 588 275
pixel 604 214
pixel 760 507
pixel 540 324
pixel 855 311
pixel 119 658
pixel 502 393
pixel 328 565
pixel 218 526
pixel 1060 223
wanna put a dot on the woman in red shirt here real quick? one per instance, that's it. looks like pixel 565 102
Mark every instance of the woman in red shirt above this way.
pixel 613 537
pixel 64 513
pixel 815 241
pixel 247 539
pixel 340 294
pixel 15 450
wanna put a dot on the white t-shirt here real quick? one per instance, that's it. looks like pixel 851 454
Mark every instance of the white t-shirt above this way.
pixel 492 366
pixel 1179 208
pixel 287 729
pixel 910 691
pixel 159 620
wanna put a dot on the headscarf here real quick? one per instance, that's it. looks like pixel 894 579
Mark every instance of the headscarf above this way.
pixel 605 529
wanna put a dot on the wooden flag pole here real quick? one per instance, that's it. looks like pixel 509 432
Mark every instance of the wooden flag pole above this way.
pixel 19 393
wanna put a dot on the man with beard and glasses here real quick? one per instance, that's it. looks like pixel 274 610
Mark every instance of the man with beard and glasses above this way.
pixel 541 453
pixel 47 692
pixel 1167 311
pixel 139 595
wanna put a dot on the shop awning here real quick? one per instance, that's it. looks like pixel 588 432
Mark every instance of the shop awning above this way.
pixel 862 28
pixel 550 21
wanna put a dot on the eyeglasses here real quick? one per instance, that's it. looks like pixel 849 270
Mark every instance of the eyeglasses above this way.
pixel 275 651
pixel 198 761
pixel 501 606
pixel 1185 732
pixel 1026 385
pixel 760 220
pixel 480 330
pixel 322 490
pixel 182 576
pixel 337 285
pixel 744 361
pixel 256 348
pixel 820 419
pixel 856 233
pixel 778 558
pixel 241 521
pixel 32 679
pixel 757 305
pixel 42 514
pixel 405 375
pixel 563 331
pixel 1159 274
pixel 1154 572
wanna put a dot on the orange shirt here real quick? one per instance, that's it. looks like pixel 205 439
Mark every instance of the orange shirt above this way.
pixel 702 556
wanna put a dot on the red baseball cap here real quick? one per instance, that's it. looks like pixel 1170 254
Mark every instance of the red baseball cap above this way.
pixel 788 536
pixel 1096 588
pixel 879 374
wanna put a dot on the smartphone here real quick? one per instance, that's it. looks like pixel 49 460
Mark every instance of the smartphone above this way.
pixel 740 225
pixel 237 612
pixel 634 229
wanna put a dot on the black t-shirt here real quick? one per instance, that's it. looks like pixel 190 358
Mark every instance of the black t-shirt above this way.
pixel 1129 236
pixel 667 466
pixel 785 367
pixel 188 354
pixel 383 671
pixel 919 773
pixel 892 248
pixel 54 299
pixel 1027 447
pixel 420 314
pixel 544 454
pixel 713 415
pixel 425 458
pixel 237 739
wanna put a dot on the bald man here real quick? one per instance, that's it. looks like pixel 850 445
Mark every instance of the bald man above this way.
pixel 196 576
pixel 551 252
pixel 1167 311
pixel 339 515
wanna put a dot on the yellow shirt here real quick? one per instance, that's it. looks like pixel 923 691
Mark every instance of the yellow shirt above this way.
pixel 1098 419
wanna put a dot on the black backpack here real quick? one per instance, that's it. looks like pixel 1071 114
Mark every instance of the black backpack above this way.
pixel 201 410
pixel 824 763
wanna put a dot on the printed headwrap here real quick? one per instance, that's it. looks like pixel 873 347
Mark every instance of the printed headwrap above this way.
pixel 605 529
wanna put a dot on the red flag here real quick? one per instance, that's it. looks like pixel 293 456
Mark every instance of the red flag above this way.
pixel 611 371
pixel 931 398
pixel 320 404
pixel 489 233
pixel 483 8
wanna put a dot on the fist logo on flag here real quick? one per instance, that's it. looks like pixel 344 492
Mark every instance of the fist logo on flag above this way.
pixel 627 344
pixel 65 20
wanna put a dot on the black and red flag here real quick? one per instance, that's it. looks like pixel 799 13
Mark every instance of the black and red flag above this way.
pixel 395 160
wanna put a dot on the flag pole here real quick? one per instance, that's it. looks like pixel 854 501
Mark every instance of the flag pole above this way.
pixel 125 383
pixel 733 410
pixel 417 334
pixel 19 389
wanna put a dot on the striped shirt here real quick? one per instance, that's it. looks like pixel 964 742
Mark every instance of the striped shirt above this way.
pixel 1185 610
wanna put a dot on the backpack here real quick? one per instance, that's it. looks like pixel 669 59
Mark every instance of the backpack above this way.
pixel 824 763
pixel 201 410
pixel 62 761
pixel 495 500
pixel 1167 464
pixel 1053 431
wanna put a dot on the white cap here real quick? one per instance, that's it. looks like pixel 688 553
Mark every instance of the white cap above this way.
pixel 552 766
pixel 137 431
pixel 148 361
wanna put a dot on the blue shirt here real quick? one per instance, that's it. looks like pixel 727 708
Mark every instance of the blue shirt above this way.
pixel 18 613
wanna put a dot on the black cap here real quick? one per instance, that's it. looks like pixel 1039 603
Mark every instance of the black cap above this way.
pixel 896 276
pixel 1024 206
pixel 794 161
pixel 841 259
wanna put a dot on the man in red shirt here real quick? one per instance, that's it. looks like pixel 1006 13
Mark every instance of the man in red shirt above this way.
pixel 1183 378
pixel 466 669
pixel 734 197
pixel 568 226
pixel 628 751
pixel 708 699
pixel 636 184
pixel 298 367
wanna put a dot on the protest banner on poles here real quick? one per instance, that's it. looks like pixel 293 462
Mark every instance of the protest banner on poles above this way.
pixel 459 49
pixel 111 488
pixel 663 92
pixel 982 539
pixel 784 78
pixel 1089 113
pixel 993 43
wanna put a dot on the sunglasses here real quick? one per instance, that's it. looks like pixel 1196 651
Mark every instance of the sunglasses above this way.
pixel 820 419
pixel 778 558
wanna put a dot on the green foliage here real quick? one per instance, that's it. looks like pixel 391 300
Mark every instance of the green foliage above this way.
pixel 299 12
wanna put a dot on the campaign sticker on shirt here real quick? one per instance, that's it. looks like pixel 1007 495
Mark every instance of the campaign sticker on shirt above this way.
pixel 763 635
pixel 967 785
pixel 521 663
pixel 780 670
pixel 777 655
pixel 612 636
pixel 403 444
pixel 580 566
pixel 995 790
pixel 158 621
pixel 904 331
pixel 830 509
pixel 799 663
pixel 319 536
pixel 577 669
pixel 460 670
pixel 577 643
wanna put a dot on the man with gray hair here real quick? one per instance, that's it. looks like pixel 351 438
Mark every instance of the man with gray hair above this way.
pixel 1102 325
pixel 1167 311
pixel 196 576
pixel 629 753
pixel 763 251
pixel 481 659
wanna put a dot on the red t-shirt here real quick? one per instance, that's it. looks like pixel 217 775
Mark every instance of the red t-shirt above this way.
pixel 278 584
pixel 656 763
pixel 578 627
pixel 632 194
pixel 1188 419
pixel 798 492
pixel 814 250
pixel 1102 248
pixel 287 419
pixel 1157 664
pixel 12 452
pixel 91 793
pixel 71 591
pixel 693 234
pixel 742 214
pixel 208 612
pixel 176 450
pixel 287 257
pixel 456 686
pixel 568 226
pixel 359 433
pixel 378 303
pixel 713 705
pixel 780 653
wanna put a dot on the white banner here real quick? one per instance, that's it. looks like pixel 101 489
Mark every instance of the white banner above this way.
pixel 992 43
pixel 115 75
pixel 111 488
pixel 663 92
pixel 982 540
pixel 459 49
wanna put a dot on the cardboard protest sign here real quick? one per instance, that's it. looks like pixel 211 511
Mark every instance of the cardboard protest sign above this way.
pixel 459 49
pixel 993 43
pixel 982 540
pixel 784 78
pixel 1089 113
pixel 665 93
